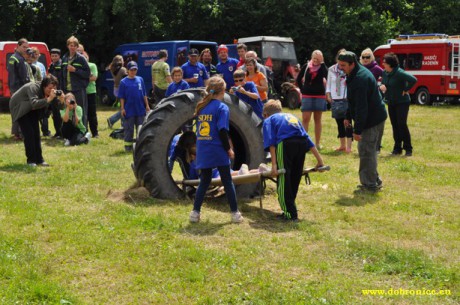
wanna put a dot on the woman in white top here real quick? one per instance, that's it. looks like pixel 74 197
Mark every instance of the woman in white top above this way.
pixel 336 95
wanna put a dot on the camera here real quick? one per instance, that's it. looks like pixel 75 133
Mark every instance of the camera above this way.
pixel 72 102
pixel 236 88
pixel 58 92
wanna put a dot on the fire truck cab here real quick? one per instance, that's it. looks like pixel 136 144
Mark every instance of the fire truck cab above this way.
pixel 433 59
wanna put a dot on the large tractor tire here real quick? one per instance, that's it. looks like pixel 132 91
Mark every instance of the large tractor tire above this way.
pixel 167 119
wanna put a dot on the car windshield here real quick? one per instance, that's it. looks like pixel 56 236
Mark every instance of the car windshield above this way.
pixel 278 50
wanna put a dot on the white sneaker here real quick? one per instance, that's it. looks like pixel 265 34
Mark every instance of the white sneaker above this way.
pixel 244 169
pixel 88 136
pixel 194 216
pixel 264 168
pixel 237 217
pixel 67 142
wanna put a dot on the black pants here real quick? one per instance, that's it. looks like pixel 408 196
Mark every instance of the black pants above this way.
pixel 57 120
pixel 343 131
pixel 92 116
pixel 290 155
pixel 401 135
pixel 31 132
pixel 73 134
pixel 45 125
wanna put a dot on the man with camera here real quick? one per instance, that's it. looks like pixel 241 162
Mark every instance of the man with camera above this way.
pixel 26 105
pixel 73 129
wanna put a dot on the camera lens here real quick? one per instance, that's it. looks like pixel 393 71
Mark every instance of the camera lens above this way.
pixel 58 92
pixel 72 102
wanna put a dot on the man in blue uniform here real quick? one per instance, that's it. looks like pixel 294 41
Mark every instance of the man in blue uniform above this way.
pixel 226 66
pixel 195 73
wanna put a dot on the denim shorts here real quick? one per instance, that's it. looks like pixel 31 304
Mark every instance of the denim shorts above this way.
pixel 313 104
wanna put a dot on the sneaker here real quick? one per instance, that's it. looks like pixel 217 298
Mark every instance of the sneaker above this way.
pixel 67 142
pixel 109 123
pixel 264 168
pixel 396 152
pixel 244 169
pixel 236 217
pixel 88 137
pixel 47 133
pixel 44 164
pixel 408 153
pixel 194 216
pixel 32 164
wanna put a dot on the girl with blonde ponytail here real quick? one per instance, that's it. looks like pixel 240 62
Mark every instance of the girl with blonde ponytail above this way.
pixel 213 146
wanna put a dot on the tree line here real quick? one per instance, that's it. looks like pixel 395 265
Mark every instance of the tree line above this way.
pixel 327 25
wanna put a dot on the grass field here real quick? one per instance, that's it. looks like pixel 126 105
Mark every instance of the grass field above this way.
pixel 73 233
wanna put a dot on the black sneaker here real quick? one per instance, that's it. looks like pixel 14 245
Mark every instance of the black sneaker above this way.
pixel 396 153
pixel 409 153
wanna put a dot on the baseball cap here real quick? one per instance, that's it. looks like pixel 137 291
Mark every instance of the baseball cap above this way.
pixel 221 48
pixel 132 65
pixel 193 52
pixel 55 51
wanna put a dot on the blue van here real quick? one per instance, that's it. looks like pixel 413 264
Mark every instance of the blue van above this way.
pixel 145 54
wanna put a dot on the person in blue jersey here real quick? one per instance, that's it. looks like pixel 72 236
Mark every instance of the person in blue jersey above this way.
pixel 226 66
pixel 247 92
pixel 213 147
pixel 134 103
pixel 288 142
pixel 178 84
pixel 195 73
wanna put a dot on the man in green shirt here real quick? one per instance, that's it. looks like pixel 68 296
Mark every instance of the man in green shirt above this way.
pixel 161 76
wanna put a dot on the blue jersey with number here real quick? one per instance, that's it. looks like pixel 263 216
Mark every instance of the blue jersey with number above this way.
pixel 210 152
pixel 132 90
pixel 199 69
pixel 256 104
pixel 282 126
pixel 227 69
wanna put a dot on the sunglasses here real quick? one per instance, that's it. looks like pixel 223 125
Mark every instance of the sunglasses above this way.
pixel 239 80
pixel 365 57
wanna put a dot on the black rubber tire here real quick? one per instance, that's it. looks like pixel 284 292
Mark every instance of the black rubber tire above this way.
pixel 293 99
pixel 152 145
pixel 422 96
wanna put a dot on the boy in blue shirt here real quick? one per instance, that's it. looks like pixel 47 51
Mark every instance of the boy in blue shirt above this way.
pixel 247 92
pixel 287 141
pixel 178 83
pixel 134 103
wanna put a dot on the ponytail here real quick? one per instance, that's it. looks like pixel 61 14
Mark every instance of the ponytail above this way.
pixel 216 86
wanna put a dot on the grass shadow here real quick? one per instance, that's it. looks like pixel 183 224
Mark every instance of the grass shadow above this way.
pixel 18 167
pixel 358 199
pixel 204 228
pixel 53 142
pixel 6 140
pixel 119 153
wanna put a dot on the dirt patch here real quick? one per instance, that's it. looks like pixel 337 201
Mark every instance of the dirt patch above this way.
pixel 133 194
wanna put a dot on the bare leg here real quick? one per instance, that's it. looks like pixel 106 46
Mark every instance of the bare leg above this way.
pixel 306 117
pixel 349 142
pixel 342 145
pixel 318 126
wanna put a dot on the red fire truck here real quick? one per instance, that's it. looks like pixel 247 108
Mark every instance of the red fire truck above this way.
pixel 433 59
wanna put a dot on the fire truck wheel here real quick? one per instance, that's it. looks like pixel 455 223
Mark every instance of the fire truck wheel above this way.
pixel 168 118
pixel 422 96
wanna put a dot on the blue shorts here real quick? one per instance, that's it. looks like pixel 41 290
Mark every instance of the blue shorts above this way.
pixel 313 104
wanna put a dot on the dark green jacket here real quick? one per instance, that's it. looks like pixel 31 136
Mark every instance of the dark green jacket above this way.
pixel 366 107
pixel 28 98
pixel 396 82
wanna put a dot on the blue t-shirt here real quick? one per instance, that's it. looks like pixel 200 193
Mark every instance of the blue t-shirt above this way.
pixel 132 90
pixel 210 152
pixel 190 70
pixel 256 104
pixel 282 126
pixel 176 87
pixel 227 69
